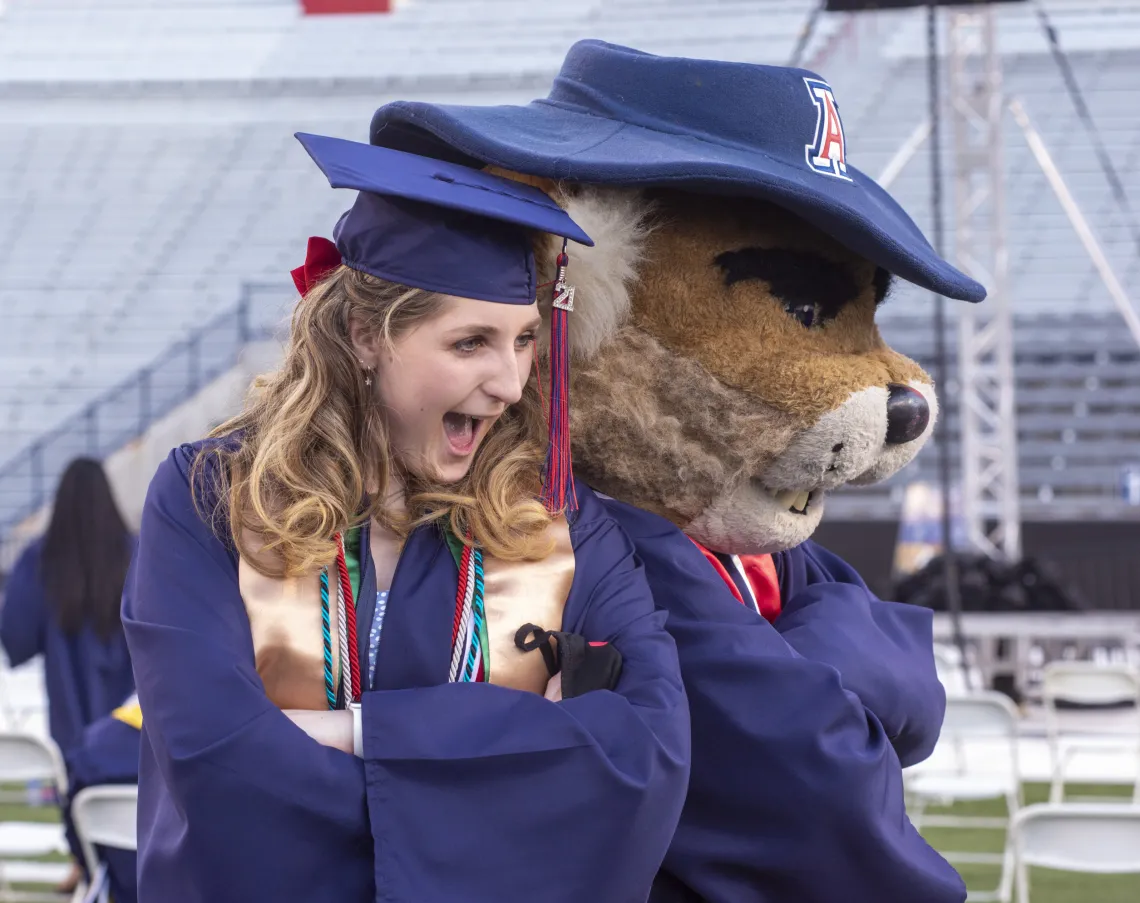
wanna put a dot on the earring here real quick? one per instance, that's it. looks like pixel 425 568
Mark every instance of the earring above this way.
pixel 367 373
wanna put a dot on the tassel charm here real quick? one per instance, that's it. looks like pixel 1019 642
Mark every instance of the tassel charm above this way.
pixel 558 478
pixel 563 293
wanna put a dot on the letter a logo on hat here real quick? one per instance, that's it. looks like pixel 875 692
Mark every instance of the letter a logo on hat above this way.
pixel 827 154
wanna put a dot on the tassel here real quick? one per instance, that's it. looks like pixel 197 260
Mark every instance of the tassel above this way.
pixel 558 479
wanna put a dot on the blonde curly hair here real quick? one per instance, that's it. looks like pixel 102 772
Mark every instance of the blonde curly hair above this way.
pixel 311 444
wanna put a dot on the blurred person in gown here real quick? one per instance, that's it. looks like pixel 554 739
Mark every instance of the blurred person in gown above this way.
pixel 62 600
pixel 109 754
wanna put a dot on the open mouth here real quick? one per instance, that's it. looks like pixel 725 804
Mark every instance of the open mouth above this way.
pixel 462 431
pixel 796 501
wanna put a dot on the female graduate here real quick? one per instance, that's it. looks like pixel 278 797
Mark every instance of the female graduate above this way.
pixel 343 605
pixel 62 602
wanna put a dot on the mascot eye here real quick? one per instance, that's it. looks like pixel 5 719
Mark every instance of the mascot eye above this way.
pixel 808 315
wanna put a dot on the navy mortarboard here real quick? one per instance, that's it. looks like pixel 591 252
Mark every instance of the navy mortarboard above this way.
pixel 452 229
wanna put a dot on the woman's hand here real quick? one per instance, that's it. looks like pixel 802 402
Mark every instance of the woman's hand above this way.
pixel 554 688
pixel 327 728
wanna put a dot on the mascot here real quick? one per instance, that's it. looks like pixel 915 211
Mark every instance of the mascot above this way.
pixel 728 373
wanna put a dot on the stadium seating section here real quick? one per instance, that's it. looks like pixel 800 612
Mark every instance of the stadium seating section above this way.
pixel 148 172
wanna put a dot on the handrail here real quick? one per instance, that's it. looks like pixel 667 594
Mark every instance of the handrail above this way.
pixel 127 409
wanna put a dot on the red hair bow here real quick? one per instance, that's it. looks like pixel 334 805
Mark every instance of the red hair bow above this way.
pixel 321 258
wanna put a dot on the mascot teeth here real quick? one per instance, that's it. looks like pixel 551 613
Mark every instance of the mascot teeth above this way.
pixel 796 502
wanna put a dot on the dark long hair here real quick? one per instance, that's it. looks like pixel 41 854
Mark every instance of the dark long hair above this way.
pixel 86 551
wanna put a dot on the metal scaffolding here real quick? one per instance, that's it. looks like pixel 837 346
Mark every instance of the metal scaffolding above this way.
pixel 985 341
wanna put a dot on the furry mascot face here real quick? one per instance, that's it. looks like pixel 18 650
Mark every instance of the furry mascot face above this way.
pixel 727 370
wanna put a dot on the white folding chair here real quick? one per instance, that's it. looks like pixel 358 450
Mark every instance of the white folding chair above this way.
pixel 1091 683
pixel 976 759
pixel 104 816
pixel 1093 838
pixel 23 703
pixel 948 666
pixel 25 758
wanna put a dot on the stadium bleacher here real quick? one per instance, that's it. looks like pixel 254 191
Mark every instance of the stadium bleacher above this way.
pixel 147 172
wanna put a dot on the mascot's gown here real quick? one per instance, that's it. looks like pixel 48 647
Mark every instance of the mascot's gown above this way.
pixel 796 791
pixel 464 792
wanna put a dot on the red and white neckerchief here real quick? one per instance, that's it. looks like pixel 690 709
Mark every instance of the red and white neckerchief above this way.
pixel 759 576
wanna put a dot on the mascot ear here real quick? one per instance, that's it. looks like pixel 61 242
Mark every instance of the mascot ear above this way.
pixel 619 221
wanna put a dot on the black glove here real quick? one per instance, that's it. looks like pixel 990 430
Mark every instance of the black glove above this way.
pixel 584 666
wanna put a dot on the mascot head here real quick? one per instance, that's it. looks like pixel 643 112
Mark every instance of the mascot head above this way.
pixel 728 371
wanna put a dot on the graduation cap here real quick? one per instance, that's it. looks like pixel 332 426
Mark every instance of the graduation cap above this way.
pixel 452 229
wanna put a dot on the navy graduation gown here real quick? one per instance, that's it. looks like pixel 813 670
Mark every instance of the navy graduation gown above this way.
pixel 883 651
pixel 465 792
pixel 85 676
pixel 107 754
pixel 796 790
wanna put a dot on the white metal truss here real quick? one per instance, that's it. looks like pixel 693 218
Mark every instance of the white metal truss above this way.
pixel 988 425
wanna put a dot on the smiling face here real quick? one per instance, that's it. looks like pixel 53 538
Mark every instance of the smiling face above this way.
pixel 444 383
pixel 748 379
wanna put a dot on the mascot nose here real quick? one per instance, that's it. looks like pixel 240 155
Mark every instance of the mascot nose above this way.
pixel 907 414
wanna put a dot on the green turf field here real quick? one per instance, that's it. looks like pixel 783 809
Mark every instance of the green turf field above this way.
pixel 1047 886
pixel 20 812
pixel 10 811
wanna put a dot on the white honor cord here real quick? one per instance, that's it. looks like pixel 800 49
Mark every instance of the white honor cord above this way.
pixel 342 617
pixel 357 730
pixel 464 626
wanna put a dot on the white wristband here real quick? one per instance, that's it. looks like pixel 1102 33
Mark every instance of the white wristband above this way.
pixel 357 730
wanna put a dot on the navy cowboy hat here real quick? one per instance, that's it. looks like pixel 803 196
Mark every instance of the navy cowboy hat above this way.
pixel 618 116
